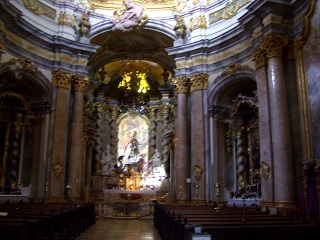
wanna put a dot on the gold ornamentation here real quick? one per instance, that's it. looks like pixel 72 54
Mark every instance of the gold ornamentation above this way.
pixel 199 82
pixel 197 172
pixel 80 82
pixel 61 79
pixel 101 106
pixel 181 85
pixel 2 47
pixel 89 108
pixel 273 45
pixel 57 169
pixel 233 67
pixel 259 58
pixel 265 170
pixel 84 25
pixel 198 22
pixel 180 27
pixel 17 96
pixel 165 108
pixel 228 11
pixel 67 19
pixel 39 8
pixel 152 5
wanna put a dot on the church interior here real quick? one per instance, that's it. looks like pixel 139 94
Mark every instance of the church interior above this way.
pixel 124 109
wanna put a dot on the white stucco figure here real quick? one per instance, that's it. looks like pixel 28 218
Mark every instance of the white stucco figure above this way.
pixel 130 18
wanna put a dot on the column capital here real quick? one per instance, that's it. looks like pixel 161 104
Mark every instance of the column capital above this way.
pixel 199 82
pixel 259 57
pixel 61 79
pixel 181 85
pixel 273 45
pixel 80 82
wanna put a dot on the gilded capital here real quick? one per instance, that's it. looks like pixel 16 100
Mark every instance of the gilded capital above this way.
pixel 199 82
pixel 273 45
pixel 61 79
pixel 181 85
pixel 80 82
pixel 259 57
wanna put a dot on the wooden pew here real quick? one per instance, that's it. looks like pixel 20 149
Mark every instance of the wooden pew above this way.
pixel 177 223
pixel 45 221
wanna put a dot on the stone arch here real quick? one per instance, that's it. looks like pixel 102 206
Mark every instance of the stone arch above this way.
pixel 234 90
pixel 25 97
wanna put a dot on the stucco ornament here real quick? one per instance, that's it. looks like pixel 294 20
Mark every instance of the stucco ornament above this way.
pixel 130 17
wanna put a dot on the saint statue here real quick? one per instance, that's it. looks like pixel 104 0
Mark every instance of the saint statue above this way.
pixel 134 148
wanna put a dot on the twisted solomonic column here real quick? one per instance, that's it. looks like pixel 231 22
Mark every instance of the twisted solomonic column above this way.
pixel 101 111
pixel 153 130
pixel 164 109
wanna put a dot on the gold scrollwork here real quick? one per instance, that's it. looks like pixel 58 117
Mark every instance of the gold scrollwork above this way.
pixel 80 82
pixel 39 8
pixel 273 45
pixel 61 79
pixel 265 170
pixel 228 11
pixel 181 85
pixel 198 82
pixel 259 58
pixel 57 169
pixel 198 22
pixel 197 172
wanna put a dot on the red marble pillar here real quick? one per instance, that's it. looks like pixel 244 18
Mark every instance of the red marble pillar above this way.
pixel 198 83
pixel 62 82
pixel 282 165
pixel 75 164
pixel 181 159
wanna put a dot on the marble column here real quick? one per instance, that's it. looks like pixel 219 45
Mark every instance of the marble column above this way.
pixel 279 115
pixel 181 159
pixel 62 82
pixel 198 83
pixel 264 126
pixel 75 179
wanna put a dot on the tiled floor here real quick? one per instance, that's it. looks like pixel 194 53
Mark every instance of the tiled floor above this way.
pixel 114 229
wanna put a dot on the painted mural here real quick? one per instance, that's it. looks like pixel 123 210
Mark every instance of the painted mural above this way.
pixel 312 61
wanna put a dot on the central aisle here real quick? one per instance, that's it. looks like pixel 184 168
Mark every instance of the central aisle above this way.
pixel 111 229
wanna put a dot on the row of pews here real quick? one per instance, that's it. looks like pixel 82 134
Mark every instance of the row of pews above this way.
pixel 42 220
pixel 178 222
